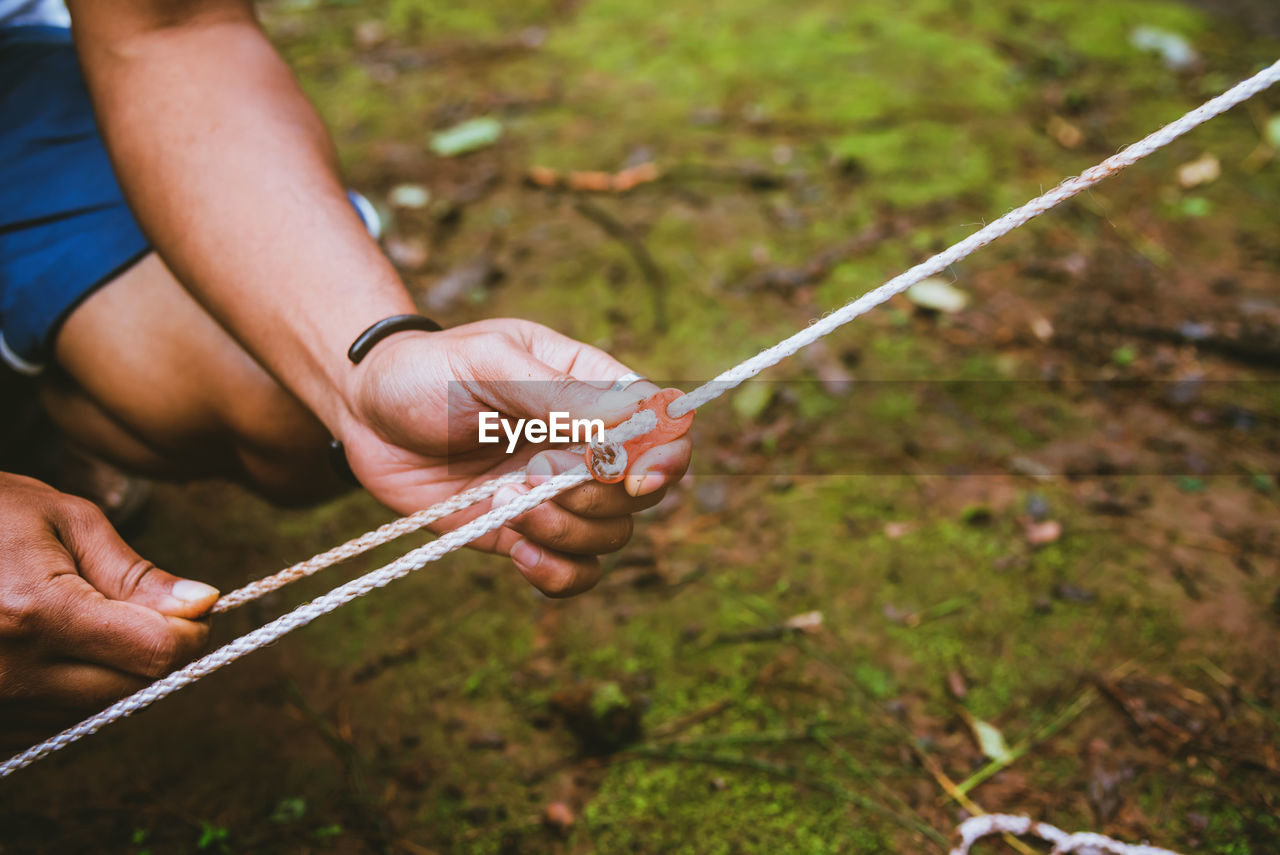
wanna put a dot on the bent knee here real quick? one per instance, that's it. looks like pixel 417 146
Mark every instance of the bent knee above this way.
pixel 281 447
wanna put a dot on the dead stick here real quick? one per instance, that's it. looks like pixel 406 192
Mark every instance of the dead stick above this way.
pixel 649 268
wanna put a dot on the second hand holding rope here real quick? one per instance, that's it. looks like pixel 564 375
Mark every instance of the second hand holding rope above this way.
pixel 681 406
pixel 637 425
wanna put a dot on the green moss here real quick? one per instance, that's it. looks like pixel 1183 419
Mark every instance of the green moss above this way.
pixel 673 807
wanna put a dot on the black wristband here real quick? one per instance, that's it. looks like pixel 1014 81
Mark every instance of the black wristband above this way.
pixel 366 341
pixel 359 349
pixel 339 463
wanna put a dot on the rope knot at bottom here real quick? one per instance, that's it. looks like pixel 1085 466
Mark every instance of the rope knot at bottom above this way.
pixel 1081 843
pixel 607 461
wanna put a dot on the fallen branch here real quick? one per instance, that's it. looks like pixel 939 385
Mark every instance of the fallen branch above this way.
pixel 649 268
pixel 1068 714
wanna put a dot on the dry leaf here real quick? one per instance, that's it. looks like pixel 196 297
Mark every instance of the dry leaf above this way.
pixel 1042 533
pixel 1203 170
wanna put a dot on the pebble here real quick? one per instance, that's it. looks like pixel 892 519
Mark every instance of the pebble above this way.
pixel 558 816
pixel 1037 507
pixel 413 196
pixel 487 740
pixel 1042 533
pixel 937 295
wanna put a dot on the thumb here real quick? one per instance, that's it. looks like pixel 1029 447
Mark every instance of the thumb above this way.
pixel 108 564
pixel 542 389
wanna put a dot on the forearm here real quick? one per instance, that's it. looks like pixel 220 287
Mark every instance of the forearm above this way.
pixel 233 177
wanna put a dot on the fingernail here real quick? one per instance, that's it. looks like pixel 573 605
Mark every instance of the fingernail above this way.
pixel 617 402
pixel 507 494
pixel 190 591
pixel 642 483
pixel 526 555
pixel 648 483
pixel 540 468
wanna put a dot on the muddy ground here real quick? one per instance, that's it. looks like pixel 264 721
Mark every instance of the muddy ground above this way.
pixel 1051 515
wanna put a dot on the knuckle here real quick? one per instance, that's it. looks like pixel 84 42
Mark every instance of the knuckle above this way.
pixel 162 652
pixel 561 583
pixel 559 529
pixel 199 638
pixel 132 575
pixel 621 534
pixel 568 578
pixel 82 514
pixel 20 616
pixel 594 501
pixel 561 390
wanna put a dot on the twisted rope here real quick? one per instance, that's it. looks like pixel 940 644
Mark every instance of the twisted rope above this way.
pixel 639 424
pixel 365 542
pixel 1085 842
pixel 635 426
pixel 1020 216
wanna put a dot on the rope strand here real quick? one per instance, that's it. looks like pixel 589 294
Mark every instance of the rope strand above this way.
pixel 1084 842
pixel 749 368
pixel 365 542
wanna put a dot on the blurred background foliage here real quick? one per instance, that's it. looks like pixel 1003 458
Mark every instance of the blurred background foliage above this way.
pixel 1089 575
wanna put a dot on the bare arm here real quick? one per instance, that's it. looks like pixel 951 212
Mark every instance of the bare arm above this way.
pixel 233 177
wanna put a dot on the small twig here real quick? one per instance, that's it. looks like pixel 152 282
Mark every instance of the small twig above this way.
pixel 949 786
pixel 676 726
pixel 1230 683
pixel 766 737
pixel 928 762
pixel 786 280
pixel 1254 350
pixel 649 268
pixel 1061 720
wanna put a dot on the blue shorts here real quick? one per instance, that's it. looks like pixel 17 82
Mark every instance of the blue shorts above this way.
pixel 65 228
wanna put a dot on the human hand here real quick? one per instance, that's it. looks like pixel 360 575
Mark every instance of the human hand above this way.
pixel 83 620
pixel 413 440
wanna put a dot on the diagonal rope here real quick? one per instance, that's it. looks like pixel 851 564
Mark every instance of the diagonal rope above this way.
pixel 773 355
pixel 639 424
pixel 365 542
pixel 301 616
pixel 635 426
pixel 1072 186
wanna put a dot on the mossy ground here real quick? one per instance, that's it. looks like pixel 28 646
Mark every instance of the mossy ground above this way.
pixel 430 717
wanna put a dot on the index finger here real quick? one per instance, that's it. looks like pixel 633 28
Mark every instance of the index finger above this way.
pixel 575 358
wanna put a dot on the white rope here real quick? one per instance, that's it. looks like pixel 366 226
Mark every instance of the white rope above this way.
pixel 301 616
pixel 1010 221
pixel 365 542
pixel 1082 842
pixel 641 423
pixel 634 426
pixel 638 425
